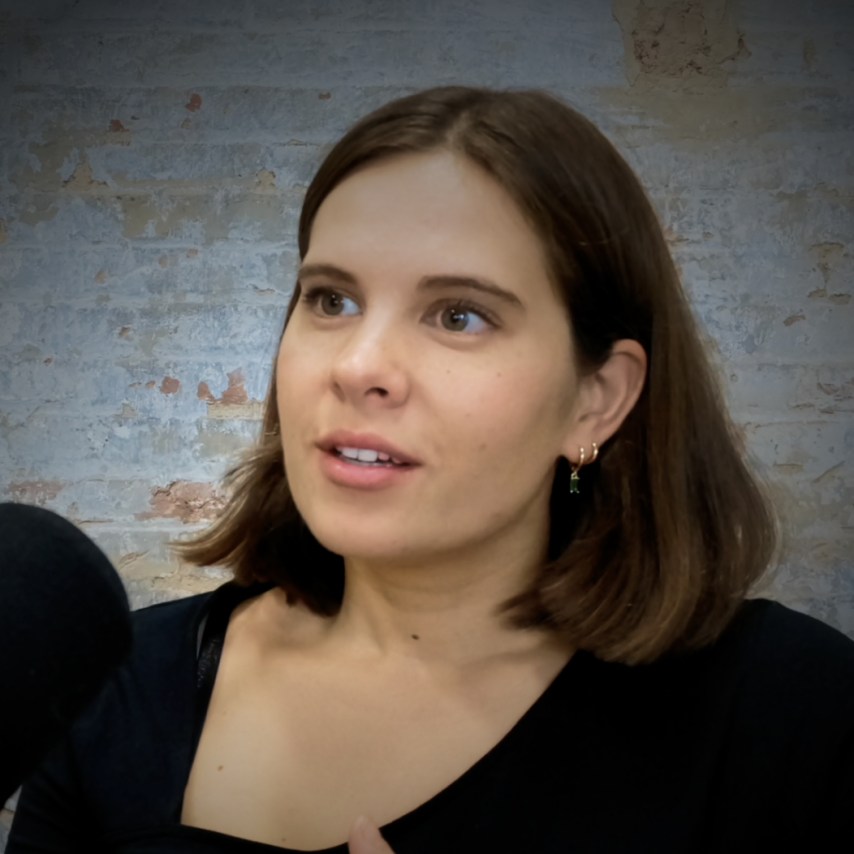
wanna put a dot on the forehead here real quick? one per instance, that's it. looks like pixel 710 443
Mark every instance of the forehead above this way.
pixel 430 209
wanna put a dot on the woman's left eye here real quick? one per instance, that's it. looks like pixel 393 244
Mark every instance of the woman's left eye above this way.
pixel 467 319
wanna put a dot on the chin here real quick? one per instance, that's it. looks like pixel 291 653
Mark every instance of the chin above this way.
pixel 379 545
pixel 353 539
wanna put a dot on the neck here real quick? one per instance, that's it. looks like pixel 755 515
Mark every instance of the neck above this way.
pixel 449 612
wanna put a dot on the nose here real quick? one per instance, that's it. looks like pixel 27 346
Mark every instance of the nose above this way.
pixel 371 367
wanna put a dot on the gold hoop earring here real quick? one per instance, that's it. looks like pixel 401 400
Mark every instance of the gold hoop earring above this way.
pixel 574 479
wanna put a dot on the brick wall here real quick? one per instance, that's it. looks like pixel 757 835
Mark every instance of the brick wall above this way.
pixel 153 160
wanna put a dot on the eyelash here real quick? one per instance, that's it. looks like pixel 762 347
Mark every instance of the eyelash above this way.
pixel 463 305
pixel 312 297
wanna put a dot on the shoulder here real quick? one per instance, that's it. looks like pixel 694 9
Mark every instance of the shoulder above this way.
pixel 180 622
pixel 771 663
pixel 781 672
pixel 169 620
pixel 769 636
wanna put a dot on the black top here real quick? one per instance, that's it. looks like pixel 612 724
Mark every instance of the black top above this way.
pixel 747 745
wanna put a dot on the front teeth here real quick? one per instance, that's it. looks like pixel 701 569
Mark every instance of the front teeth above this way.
pixel 363 455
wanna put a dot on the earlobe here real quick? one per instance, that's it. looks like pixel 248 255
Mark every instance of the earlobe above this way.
pixel 606 397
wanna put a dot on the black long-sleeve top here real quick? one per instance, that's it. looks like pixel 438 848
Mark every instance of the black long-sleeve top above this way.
pixel 747 745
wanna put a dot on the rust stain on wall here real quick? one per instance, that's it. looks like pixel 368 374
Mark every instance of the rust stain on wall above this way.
pixel 204 393
pixel 170 385
pixel 184 500
pixel 195 103
pixel 678 38
pixel 235 393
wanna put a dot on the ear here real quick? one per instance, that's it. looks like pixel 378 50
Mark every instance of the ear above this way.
pixel 605 397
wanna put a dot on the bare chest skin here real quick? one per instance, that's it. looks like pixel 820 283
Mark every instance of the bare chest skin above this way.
pixel 298 742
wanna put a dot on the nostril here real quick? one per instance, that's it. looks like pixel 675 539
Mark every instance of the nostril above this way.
pixel 377 390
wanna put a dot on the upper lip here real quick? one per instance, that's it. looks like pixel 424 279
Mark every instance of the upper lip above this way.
pixel 366 441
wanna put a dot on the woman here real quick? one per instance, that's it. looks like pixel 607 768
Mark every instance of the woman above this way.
pixel 491 552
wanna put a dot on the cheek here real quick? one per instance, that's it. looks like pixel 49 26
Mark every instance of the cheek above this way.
pixel 532 398
pixel 293 366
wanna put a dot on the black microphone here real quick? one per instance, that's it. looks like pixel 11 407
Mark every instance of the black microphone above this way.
pixel 64 627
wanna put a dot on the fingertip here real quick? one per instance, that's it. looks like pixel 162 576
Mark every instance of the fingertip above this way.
pixel 366 835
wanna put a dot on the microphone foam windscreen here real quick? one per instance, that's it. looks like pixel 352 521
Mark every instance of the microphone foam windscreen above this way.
pixel 64 627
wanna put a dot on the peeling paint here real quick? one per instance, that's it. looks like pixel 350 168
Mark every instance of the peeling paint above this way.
pixel 251 411
pixel 186 501
pixel 39 492
pixel 265 181
pixel 836 299
pixel 827 474
pixel 827 256
pixel 82 179
pixel 235 393
pixel 204 393
pixel 679 39
pixel 838 392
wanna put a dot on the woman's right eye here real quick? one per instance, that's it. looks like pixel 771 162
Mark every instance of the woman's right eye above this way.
pixel 330 303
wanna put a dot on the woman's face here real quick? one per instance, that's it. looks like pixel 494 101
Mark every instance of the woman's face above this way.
pixel 425 382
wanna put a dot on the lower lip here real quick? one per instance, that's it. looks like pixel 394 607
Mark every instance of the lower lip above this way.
pixel 343 472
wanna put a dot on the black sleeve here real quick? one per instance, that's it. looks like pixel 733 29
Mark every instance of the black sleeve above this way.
pixel 51 815
pixel 122 766
pixel 799 698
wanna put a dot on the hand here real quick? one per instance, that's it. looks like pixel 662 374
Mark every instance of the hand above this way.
pixel 365 838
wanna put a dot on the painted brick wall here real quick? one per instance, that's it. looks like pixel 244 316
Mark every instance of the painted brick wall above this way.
pixel 152 161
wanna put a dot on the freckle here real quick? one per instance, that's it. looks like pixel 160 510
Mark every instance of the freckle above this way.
pixel 415 637
pixel 219 767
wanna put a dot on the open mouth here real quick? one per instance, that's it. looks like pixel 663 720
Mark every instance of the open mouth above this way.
pixel 367 457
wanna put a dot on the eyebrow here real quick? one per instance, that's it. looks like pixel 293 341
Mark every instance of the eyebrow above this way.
pixel 427 283
pixel 476 284
pixel 326 271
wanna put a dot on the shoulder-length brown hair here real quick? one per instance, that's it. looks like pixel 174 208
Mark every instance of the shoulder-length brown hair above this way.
pixel 670 529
